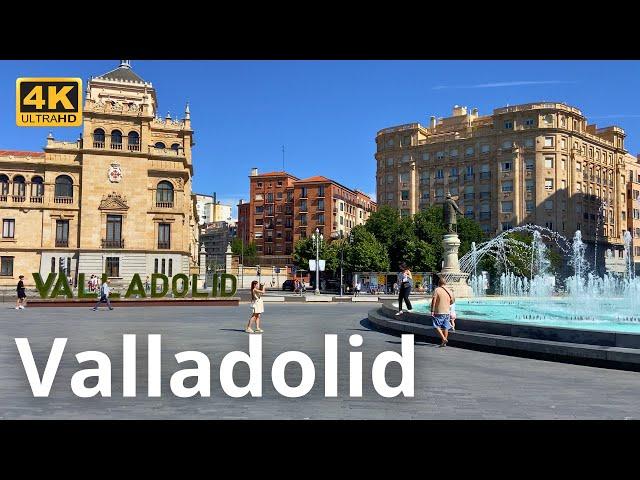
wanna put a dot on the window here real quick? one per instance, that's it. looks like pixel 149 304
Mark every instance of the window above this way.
pixel 175 147
pixel 528 142
pixel 8 228
pixel 321 204
pixel 155 266
pixel 403 177
pixel 406 140
pixel 164 194
pixel 164 235
pixel 303 192
pixel 507 186
pixel 389 178
pixel 563 143
pixel 19 187
pixel 453 172
pixel 6 266
pixel 63 190
pixel 303 219
pixel 303 205
pixel 259 209
pixel 528 122
pixel 405 194
pixel 114 231
pixel 440 155
pixel 439 173
pixel 269 197
pixel 549 225
pixel 507 207
pixel 4 185
pixel 506 226
pixel 529 163
pixel 160 145
pixel 321 191
pixel 453 152
pixel 469 170
pixel 530 206
pixel 485 148
pixel 548 119
pixel 529 185
pixel 405 158
pixel 506 145
pixel 389 196
pixel 112 266
pixel 98 138
pixel 321 219
pixel 390 162
pixel 548 184
pixel 164 263
pixel 469 151
pixel 53 264
pixel 506 166
pixel 425 156
pixel 548 141
pixel 548 162
pixel 116 140
pixel 563 163
pixel 170 267
pixel 341 220
pixel 37 187
pixel 62 233
pixel 548 205
pixel 508 124
pixel 133 141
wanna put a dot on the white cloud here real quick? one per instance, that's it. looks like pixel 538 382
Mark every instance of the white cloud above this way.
pixel 504 84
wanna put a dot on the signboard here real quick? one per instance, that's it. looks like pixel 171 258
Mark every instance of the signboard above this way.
pixel 312 265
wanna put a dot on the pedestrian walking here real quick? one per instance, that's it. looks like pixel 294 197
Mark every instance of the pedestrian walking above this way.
pixel 356 288
pixel 104 295
pixel 441 303
pixel 405 279
pixel 147 285
pixel 21 302
pixel 257 307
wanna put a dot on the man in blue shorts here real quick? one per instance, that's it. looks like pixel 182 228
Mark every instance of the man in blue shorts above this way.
pixel 441 309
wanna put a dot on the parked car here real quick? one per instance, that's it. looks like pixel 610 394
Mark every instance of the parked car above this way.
pixel 288 285
pixel 332 286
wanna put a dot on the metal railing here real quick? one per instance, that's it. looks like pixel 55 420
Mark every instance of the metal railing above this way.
pixel 164 245
pixel 113 243
pixel 62 243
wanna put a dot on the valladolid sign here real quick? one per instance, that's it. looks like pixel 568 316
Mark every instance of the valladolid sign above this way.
pixel 224 285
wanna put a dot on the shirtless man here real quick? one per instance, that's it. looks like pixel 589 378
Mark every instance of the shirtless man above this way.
pixel 440 310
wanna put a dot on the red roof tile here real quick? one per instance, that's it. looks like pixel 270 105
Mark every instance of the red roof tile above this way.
pixel 20 153
pixel 317 178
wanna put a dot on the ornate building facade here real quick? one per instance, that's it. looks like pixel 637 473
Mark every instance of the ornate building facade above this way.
pixel 539 163
pixel 117 200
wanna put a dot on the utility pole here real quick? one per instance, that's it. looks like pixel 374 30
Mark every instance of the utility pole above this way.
pixel 317 240
pixel 283 158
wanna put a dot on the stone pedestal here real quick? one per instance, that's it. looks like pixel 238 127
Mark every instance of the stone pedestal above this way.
pixel 455 279
pixel 202 274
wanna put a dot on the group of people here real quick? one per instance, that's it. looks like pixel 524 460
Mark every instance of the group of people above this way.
pixel 442 303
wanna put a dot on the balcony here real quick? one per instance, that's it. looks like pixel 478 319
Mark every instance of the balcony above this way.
pixel 469 177
pixel 18 198
pixel 62 243
pixel 37 199
pixel 133 147
pixel 453 178
pixel 164 204
pixel 162 245
pixel 113 243
pixel 67 200
pixel 3 198
pixel 98 144
pixel 116 146
pixel 485 175
pixel 485 215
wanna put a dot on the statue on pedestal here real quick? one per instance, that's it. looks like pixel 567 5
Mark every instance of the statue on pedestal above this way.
pixel 450 218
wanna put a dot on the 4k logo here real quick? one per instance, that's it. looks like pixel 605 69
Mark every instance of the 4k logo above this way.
pixel 49 102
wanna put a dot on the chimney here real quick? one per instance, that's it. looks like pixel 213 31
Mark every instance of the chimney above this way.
pixel 254 172
pixel 433 122
pixel 474 112
pixel 458 110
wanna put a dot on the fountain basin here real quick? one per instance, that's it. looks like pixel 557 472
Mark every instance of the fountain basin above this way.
pixel 493 324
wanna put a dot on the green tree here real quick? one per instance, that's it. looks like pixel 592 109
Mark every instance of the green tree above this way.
pixel 304 250
pixel 250 253
pixel 365 253
pixel 383 224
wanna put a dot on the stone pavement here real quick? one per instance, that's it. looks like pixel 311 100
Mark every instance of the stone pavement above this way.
pixel 450 383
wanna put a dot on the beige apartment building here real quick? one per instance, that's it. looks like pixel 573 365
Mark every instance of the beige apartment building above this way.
pixel 538 163
pixel 117 200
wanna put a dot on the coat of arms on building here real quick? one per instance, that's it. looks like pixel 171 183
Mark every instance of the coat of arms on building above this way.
pixel 113 201
pixel 115 173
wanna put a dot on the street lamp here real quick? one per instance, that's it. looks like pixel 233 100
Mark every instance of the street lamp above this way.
pixel 350 239
pixel 317 240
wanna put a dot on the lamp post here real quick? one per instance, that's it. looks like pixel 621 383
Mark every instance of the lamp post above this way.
pixel 350 239
pixel 317 240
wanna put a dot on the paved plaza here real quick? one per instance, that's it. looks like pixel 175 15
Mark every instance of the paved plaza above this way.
pixel 450 383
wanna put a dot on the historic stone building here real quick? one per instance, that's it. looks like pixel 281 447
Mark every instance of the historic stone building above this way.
pixel 117 200
pixel 537 163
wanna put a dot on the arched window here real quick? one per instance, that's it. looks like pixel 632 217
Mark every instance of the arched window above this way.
pixel 37 187
pixel 164 194
pixel 116 140
pixel 176 147
pixel 4 185
pixel 98 138
pixel 160 145
pixel 133 140
pixel 19 187
pixel 63 192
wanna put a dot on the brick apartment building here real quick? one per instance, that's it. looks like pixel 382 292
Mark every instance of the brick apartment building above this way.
pixel 283 209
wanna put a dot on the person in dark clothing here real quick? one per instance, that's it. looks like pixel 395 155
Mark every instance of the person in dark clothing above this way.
pixel 405 280
pixel 21 302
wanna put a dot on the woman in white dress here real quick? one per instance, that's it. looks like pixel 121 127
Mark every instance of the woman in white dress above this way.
pixel 257 307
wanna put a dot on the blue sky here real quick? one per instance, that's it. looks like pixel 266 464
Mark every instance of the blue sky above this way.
pixel 327 113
